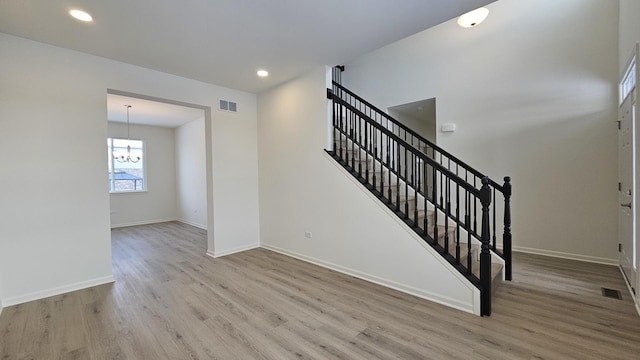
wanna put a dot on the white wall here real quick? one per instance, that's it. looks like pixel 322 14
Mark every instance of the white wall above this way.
pixel 191 185
pixel 533 93
pixel 302 189
pixel 1 306
pixel 54 233
pixel 158 202
pixel 629 30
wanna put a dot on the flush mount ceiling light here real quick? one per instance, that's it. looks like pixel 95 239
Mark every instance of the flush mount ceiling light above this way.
pixel 80 15
pixel 263 73
pixel 473 18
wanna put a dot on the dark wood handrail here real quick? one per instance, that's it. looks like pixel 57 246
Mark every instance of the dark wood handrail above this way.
pixel 419 137
pixel 448 173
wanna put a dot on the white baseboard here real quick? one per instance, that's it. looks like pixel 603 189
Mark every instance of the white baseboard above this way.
pixel 569 256
pixel 216 254
pixel 633 297
pixel 199 226
pixel 377 280
pixel 57 291
pixel 144 222
pixel 473 308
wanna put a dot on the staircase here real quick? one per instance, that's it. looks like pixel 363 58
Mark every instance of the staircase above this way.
pixel 440 197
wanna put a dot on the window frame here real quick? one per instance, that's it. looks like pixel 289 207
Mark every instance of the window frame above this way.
pixel 629 81
pixel 111 167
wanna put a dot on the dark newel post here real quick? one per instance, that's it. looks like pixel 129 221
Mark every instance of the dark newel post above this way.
pixel 485 254
pixel 330 97
pixel 506 236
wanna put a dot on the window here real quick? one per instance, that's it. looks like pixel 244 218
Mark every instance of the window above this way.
pixel 628 82
pixel 126 176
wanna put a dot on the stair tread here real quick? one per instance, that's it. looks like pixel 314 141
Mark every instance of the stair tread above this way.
pixel 452 245
pixel 403 198
pixel 463 251
pixel 496 269
pixel 422 211
pixel 441 230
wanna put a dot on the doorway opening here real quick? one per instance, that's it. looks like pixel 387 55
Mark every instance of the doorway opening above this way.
pixel 175 140
pixel 628 186
pixel 419 116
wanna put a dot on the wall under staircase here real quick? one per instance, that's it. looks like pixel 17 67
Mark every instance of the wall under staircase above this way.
pixel 302 189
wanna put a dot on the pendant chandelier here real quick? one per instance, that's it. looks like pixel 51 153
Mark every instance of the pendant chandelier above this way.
pixel 121 156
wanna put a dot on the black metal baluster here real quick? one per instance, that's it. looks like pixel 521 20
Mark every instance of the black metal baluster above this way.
pixel 365 148
pixel 457 223
pixel 346 136
pixel 404 136
pixel 334 120
pixel 475 209
pixel 388 162
pixel 375 155
pixel 344 132
pixel 406 186
pixel 398 180
pixel 414 175
pixel 485 254
pixel 353 140
pixel 336 148
pixel 441 189
pixel 387 166
pixel 447 212
pixel 435 209
pixel 367 152
pixel 493 206
pixel 426 207
pixel 392 165
pixel 469 254
pixel 356 145
pixel 361 144
pixel 340 112
pixel 382 165
pixel 351 122
pixel 418 164
pixel 506 236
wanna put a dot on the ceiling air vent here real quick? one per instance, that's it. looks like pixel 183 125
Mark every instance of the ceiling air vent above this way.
pixel 226 105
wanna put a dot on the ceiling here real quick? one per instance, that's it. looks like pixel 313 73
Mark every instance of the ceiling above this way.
pixel 148 112
pixel 224 42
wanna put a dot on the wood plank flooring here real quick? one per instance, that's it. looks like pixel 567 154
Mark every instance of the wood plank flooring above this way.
pixel 170 301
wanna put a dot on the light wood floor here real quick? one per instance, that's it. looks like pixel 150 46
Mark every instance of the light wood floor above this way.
pixel 170 301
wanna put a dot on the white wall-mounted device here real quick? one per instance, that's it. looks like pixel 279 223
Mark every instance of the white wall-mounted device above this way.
pixel 448 128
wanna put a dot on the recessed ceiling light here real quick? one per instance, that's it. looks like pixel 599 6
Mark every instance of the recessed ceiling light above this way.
pixel 263 73
pixel 80 15
pixel 473 18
